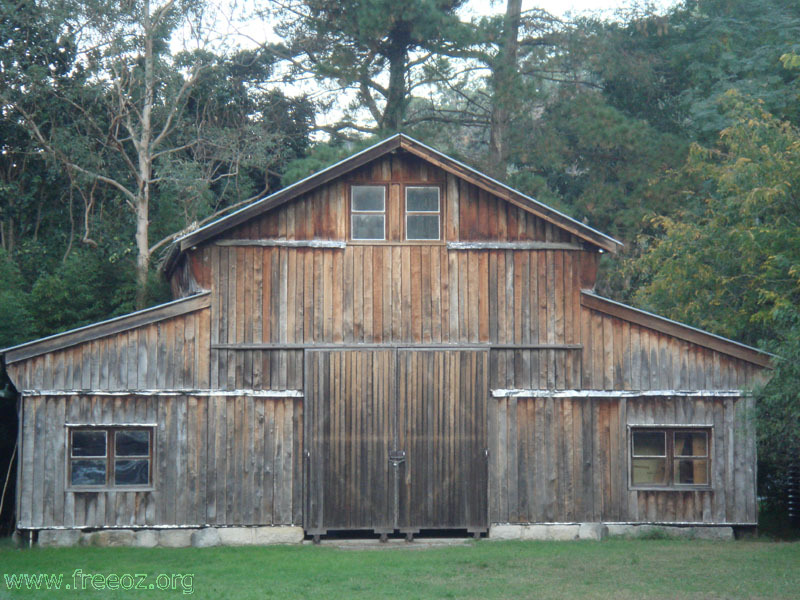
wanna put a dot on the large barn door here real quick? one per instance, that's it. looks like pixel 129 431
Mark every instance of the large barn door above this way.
pixel 350 424
pixel 395 440
pixel 442 429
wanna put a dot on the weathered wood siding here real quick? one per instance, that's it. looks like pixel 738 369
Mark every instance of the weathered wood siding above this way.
pixel 517 300
pixel 410 294
pixel 566 460
pixel 469 214
pixel 170 354
pixel 428 404
pixel 618 355
pixel 350 430
pixel 232 460
pixel 442 421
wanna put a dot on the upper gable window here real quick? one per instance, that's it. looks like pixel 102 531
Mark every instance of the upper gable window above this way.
pixel 368 212
pixel 423 213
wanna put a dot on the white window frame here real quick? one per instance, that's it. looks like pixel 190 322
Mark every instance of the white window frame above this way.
pixel 437 212
pixel 354 212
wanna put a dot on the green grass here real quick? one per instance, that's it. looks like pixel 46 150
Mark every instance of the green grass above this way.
pixel 610 569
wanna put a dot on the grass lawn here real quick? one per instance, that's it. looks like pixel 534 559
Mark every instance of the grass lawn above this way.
pixel 608 569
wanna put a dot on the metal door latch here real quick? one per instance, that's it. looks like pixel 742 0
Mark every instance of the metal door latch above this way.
pixel 396 457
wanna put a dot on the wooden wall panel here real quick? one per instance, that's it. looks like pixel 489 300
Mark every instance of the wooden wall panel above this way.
pixel 169 354
pixel 257 369
pixel 618 355
pixel 233 460
pixel 350 430
pixel 396 294
pixel 566 460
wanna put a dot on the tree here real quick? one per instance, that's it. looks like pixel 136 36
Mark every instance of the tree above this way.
pixel 672 69
pixel 376 49
pixel 729 261
pixel 494 77
pixel 124 95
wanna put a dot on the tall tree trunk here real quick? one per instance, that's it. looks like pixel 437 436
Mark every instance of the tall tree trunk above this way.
pixel 395 111
pixel 504 74
pixel 145 151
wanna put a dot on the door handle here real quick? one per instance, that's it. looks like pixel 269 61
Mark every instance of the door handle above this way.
pixel 396 457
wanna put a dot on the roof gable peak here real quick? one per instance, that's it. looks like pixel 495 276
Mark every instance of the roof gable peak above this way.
pixel 398 141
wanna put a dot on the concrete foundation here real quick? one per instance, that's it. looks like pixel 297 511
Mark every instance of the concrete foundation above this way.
pixel 551 532
pixel 599 531
pixel 172 538
pixel 693 532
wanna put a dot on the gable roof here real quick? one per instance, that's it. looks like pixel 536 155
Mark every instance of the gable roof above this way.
pixel 675 329
pixel 398 141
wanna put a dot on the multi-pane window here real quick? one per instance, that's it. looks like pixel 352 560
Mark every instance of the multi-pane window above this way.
pixel 110 456
pixel 368 212
pixel 423 210
pixel 670 457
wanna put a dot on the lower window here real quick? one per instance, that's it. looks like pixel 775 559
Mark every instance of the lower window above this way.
pixel 670 457
pixel 120 456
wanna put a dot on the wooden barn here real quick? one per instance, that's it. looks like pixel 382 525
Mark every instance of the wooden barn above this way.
pixel 397 343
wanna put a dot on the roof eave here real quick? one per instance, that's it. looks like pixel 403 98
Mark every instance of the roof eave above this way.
pixel 498 188
pixel 289 192
pixel 94 331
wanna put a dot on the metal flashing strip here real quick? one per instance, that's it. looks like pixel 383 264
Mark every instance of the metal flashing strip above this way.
pixel 391 346
pixel 513 393
pixel 285 243
pixel 655 523
pixel 513 246
pixel 254 393
pixel 110 424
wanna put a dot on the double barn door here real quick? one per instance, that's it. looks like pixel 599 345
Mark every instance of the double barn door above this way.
pixel 396 440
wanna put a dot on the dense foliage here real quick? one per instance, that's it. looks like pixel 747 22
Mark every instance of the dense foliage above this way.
pixel 675 132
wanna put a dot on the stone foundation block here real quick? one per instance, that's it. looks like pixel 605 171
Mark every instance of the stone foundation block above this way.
pixel 505 532
pixel 205 538
pixel 175 538
pixel 59 538
pixel 592 531
pixel 278 535
pixel 692 532
pixel 713 533
pixel 145 538
pixel 559 533
pixel 111 538
pixel 236 536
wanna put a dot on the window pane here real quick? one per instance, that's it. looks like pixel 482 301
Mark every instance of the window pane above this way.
pixel 422 227
pixel 691 471
pixel 88 472
pixel 690 443
pixel 86 442
pixel 131 472
pixel 135 442
pixel 368 227
pixel 422 199
pixel 649 443
pixel 368 197
pixel 649 471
